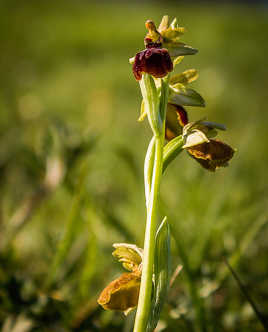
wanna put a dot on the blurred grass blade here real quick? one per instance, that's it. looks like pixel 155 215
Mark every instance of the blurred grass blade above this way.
pixel 89 267
pixel 197 301
pixel 162 272
pixel 128 158
pixel 249 237
pixel 69 236
pixel 245 242
pixel 244 290
pixel 171 150
pixel 175 274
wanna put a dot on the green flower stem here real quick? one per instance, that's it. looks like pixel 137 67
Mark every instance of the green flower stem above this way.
pixel 148 169
pixel 153 176
pixel 144 303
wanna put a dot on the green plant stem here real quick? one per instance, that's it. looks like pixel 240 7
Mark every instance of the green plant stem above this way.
pixel 148 169
pixel 149 242
pixel 153 186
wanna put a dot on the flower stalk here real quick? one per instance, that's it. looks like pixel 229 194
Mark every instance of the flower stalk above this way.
pixel 156 118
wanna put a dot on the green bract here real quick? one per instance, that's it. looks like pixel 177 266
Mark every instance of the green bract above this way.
pixel 178 49
pixel 162 273
pixel 180 95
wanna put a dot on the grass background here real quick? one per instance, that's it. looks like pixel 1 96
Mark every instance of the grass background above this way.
pixel 71 159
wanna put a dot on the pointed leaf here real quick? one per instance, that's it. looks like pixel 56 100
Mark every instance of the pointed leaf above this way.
pixel 162 272
pixel 213 125
pixel 176 49
pixel 164 23
pixel 186 97
pixel 174 23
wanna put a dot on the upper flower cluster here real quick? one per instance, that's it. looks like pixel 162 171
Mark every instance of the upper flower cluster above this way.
pixel 163 51
pixel 154 60
pixel 160 46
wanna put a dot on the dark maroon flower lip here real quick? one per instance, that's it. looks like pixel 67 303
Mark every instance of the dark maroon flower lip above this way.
pixel 153 60
pixel 182 115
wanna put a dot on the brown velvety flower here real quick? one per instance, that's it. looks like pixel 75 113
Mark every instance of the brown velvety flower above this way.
pixel 154 60
pixel 122 294
pixel 211 155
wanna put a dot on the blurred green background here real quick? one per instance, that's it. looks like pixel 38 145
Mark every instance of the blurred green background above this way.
pixel 71 165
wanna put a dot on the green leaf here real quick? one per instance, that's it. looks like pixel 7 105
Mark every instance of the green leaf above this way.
pixel 162 272
pixel 183 96
pixel 177 49
pixel 171 150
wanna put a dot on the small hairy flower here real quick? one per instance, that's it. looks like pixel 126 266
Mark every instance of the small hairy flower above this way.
pixel 154 60
pixel 122 294
pixel 212 155
pixel 209 153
